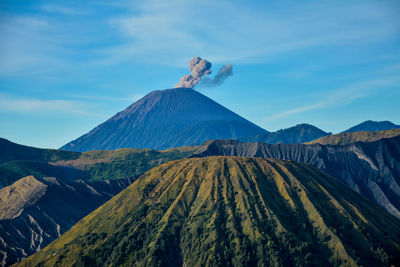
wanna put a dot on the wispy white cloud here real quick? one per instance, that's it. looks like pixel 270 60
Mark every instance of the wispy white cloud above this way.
pixel 64 10
pixel 9 103
pixel 32 22
pixel 341 96
pixel 131 98
pixel 170 33
pixel 222 30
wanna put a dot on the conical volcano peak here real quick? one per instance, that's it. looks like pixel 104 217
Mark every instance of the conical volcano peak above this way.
pixel 166 118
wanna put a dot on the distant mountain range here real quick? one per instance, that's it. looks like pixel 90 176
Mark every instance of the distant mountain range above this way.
pixel 230 211
pixel 366 162
pixel 20 161
pixel 184 117
pixel 372 126
pixel 297 134
pixel 353 137
pixel 372 168
pixel 164 119
pixel 34 212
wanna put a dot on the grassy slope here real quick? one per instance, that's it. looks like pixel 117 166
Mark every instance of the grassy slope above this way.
pixel 296 134
pixel 349 138
pixel 18 161
pixel 10 151
pixel 224 211
pixel 122 163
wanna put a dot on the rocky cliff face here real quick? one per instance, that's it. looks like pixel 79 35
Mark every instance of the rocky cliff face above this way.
pixel 34 212
pixel 372 169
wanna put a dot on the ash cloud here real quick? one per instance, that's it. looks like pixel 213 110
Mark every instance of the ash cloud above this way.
pixel 218 79
pixel 199 68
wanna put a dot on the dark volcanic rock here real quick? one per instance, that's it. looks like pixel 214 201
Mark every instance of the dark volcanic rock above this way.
pixel 37 211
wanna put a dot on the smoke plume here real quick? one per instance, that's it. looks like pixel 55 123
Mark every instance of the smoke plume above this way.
pixel 218 79
pixel 200 67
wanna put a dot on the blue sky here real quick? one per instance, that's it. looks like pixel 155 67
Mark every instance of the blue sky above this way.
pixel 66 66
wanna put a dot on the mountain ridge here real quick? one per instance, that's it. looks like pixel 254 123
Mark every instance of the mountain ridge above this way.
pixel 299 133
pixel 231 211
pixel 371 125
pixel 157 118
pixel 372 169
pixel 354 137
pixel 35 211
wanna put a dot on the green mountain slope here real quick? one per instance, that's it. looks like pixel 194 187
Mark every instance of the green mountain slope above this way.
pixel 19 161
pixel 373 126
pixel 11 151
pixel 297 134
pixel 353 137
pixel 230 211
pixel 121 163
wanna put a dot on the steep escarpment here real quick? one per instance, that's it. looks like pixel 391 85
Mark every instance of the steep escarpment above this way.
pixel 230 211
pixel 372 169
pixel 35 211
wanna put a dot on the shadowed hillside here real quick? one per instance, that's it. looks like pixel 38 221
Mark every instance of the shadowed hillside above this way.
pixel 230 211
pixel 10 151
pixel 34 212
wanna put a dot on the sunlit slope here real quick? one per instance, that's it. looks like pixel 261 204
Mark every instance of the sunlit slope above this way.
pixel 230 211
pixel 18 161
pixel 353 137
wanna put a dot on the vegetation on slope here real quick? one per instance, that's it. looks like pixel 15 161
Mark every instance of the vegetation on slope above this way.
pixel 372 169
pixel 122 163
pixel 297 134
pixel 10 151
pixel 19 161
pixel 373 126
pixel 230 211
pixel 353 137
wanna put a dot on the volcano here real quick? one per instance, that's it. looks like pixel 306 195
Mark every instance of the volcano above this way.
pixel 164 119
pixel 230 211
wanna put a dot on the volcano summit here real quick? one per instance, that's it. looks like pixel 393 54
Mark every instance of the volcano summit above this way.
pixel 166 118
